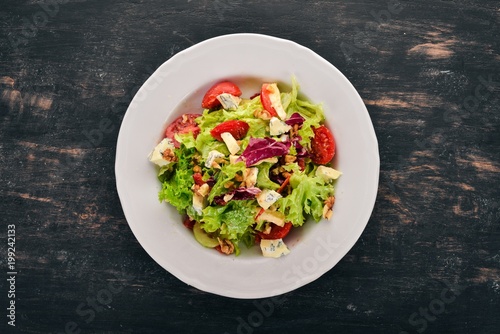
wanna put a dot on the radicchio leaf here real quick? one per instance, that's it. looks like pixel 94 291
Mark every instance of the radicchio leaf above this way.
pixel 263 148
pixel 301 151
pixel 296 118
pixel 211 181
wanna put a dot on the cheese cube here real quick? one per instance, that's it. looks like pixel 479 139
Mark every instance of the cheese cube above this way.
pixel 231 143
pixel 163 153
pixel 204 189
pixel 199 203
pixel 278 127
pixel 274 217
pixel 273 248
pixel 267 198
pixel 275 98
pixel 327 173
pixel 250 176
pixel 228 101
pixel 233 159
pixel 212 155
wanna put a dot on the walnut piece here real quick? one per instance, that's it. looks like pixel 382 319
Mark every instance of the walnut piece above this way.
pixel 169 155
pixel 226 246
pixel 328 208
pixel 262 114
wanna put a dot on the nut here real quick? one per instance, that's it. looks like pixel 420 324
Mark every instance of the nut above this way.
pixel 290 158
pixel 262 114
pixel 169 155
pixel 226 246
pixel 327 209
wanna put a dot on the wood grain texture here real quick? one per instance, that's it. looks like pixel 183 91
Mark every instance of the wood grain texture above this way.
pixel 429 73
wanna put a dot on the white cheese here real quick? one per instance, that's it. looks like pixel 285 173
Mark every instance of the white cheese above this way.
pixel 327 173
pixel 278 127
pixel 284 138
pixel 275 98
pixel 228 101
pixel 228 197
pixel 273 248
pixel 199 203
pixel 157 156
pixel 212 155
pixel 233 158
pixel 274 217
pixel 231 143
pixel 250 176
pixel 204 189
pixel 267 198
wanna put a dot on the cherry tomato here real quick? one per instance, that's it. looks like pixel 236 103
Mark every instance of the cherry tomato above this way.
pixel 277 232
pixel 322 145
pixel 266 98
pixel 238 129
pixel 210 99
pixel 184 124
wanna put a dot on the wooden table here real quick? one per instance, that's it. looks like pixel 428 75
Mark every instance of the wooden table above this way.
pixel 428 261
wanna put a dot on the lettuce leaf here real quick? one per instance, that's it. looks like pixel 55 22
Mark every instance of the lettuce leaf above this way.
pixel 307 198
pixel 176 189
pixel 231 221
pixel 226 174
pixel 312 113
pixel 206 143
pixel 263 180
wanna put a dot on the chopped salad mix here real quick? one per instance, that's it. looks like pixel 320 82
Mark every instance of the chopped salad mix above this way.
pixel 247 171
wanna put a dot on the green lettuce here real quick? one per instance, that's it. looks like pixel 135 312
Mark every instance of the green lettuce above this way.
pixel 245 112
pixel 206 143
pixel 232 221
pixel 307 198
pixel 226 174
pixel 176 186
pixel 313 113
pixel 263 180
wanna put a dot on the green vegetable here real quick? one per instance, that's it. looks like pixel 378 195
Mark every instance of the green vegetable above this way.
pixel 232 221
pixel 226 174
pixel 313 113
pixel 263 180
pixel 203 238
pixel 177 188
pixel 307 197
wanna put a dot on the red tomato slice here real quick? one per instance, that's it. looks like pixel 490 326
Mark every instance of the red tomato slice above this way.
pixel 184 124
pixel 210 99
pixel 322 145
pixel 277 232
pixel 238 129
pixel 265 98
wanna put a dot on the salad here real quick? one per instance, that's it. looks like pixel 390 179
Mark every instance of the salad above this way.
pixel 248 170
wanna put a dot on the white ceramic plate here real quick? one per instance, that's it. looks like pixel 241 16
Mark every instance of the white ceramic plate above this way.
pixel 177 87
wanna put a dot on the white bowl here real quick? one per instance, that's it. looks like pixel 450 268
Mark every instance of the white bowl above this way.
pixel 177 87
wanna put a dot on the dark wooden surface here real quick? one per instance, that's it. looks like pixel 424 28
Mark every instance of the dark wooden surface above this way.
pixel 429 73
